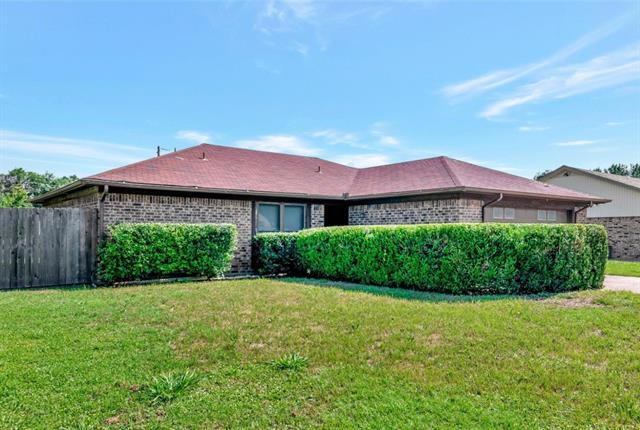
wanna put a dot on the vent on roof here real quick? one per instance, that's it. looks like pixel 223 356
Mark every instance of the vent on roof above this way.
pixel 318 170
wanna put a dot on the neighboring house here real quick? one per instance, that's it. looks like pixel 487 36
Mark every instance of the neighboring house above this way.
pixel 263 191
pixel 621 216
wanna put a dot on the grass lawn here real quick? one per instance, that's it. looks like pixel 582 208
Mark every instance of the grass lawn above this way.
pixel 623 268
pixel 296 354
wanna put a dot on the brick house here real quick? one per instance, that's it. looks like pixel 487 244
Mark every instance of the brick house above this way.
pixel 621 216
pixel 263 191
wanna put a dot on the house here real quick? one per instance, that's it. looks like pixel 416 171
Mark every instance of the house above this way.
pixel 263 191
pixel 621 216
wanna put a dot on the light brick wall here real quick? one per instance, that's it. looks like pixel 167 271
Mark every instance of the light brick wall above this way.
pixel 624 235
pixel 86 199
pixel 417 212
pixel 172 209
pixel 317 216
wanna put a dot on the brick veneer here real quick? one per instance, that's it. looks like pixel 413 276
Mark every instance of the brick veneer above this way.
pixel 147 208
pixel 317 216
pixel 624 235
pixel 417 212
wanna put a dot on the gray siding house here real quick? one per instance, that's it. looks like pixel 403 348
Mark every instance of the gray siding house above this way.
pixel 621 216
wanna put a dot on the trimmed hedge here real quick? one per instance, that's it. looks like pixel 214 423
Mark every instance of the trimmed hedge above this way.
pixel 150 251
pixel 275 253
pixel 459 258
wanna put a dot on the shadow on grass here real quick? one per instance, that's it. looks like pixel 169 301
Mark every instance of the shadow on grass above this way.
pixel 424 296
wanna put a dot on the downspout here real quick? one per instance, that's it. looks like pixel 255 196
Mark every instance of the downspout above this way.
pixel 496 200
pixel 103 196
pixel 575 213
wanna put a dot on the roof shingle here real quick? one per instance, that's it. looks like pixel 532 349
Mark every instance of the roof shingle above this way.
pixel 214 167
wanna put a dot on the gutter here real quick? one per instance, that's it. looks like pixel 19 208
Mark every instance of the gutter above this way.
pixel 486 205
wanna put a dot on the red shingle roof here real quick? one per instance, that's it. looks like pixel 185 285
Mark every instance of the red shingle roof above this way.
pixel 221 168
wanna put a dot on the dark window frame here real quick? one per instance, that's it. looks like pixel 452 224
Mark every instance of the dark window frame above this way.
pixel 281 215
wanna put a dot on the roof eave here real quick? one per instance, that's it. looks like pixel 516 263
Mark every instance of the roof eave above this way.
pixel 59 191
pixel 207 190
pixel 585 199
pixel 195 189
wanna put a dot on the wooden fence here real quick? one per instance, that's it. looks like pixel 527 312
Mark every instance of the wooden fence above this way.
pixel 42 247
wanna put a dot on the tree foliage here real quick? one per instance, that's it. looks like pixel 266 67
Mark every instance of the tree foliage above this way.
pixel 17 197
pixel 19 185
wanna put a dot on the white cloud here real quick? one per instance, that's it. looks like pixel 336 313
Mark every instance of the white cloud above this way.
pixel 287 144
pixel 576 143
pixel 47 147
pixel 531 128
pixel 614 123
pixel 362 160
pixel 379 131
pixel 303 25
pixel 389 140
pixel 614 68
pixel 193 135
pixel 301 48
pixel 336 137
pixel 498 78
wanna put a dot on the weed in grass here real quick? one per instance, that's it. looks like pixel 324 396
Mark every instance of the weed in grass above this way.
pixel 292 361
pixel 169 386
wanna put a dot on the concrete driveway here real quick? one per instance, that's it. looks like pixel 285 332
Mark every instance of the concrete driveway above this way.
pixel 622 283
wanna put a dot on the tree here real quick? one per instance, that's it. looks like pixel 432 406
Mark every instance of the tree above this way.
pixel 18 186
pixel 618 169
pixel 539 175
pixel 634 170
pixel 17 197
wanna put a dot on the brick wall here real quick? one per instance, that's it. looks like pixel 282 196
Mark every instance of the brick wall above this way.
pixel 86 199
pixel 624 235
pixel 172 209
pixel 317 216
pixel 418 212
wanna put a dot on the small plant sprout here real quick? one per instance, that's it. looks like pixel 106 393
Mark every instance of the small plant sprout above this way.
pixel 169 386
pixel 293 361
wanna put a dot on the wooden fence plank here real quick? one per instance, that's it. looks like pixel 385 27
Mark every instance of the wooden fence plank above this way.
pixel 47 246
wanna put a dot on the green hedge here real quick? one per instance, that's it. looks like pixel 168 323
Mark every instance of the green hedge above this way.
pixel 460 258
pixel 275 253
pixel 150 251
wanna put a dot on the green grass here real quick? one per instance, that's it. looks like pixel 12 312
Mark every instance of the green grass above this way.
pixel 373 358
pixel 623 268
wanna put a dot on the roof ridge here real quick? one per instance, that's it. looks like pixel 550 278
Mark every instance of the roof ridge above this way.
pixel 146 160
pixel 313 157
pixel 445 163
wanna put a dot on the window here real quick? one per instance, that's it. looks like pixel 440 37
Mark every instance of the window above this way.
pixel 546 215
pixel 280 217
pixel 293 218
pixel 509 213
pixel 268 217
pixel 504 213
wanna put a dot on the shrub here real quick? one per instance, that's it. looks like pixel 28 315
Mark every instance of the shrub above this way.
pixel 275 253
pixel 460 258
pixel 148 251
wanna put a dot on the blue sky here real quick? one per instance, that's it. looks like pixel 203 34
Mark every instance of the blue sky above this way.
pixel 518 86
